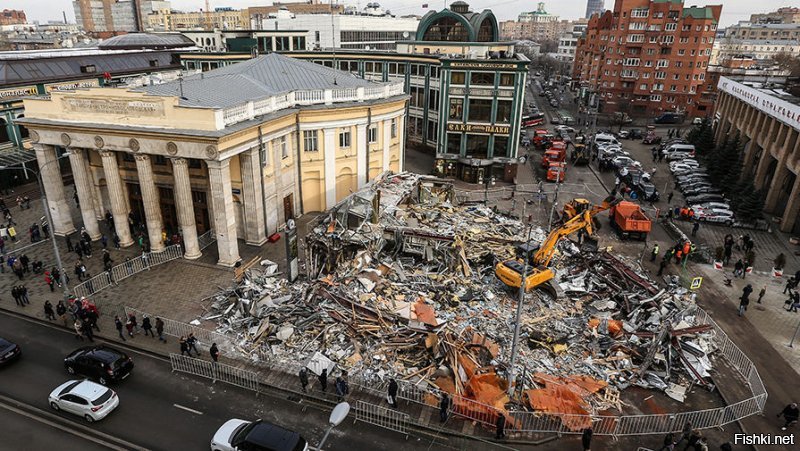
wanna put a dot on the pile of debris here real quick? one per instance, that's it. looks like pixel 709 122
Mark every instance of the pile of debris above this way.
pixel 401 283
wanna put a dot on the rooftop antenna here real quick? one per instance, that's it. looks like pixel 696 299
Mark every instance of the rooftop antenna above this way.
pixel 180 86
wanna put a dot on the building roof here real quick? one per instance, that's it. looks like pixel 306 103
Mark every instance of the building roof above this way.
pixel 147 41
pixel 260 77
pixel 698 12
pixel 45 68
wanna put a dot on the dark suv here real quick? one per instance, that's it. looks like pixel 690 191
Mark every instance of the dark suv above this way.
pixel 100 363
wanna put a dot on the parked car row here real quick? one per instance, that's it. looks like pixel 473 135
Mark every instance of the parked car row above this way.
pixel 610 152
pixel 691 178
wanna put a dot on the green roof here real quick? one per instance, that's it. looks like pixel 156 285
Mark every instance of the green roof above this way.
pixel 696 12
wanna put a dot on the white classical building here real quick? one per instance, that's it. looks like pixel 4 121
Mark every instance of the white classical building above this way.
pixel 238 150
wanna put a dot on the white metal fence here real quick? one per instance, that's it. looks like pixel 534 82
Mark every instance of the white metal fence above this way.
pixel 206 239
pixel 215 371
pixel 381 416
pixel 126 269
pixel 521 423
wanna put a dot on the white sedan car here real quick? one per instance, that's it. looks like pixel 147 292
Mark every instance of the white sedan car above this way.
pixel 711 206
pixel 88 399
pixel 687 162
pixel 715 215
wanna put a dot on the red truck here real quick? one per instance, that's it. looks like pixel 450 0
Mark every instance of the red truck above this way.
pixel 557 153
pixel 630 221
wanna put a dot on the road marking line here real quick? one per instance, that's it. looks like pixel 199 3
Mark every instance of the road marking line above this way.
pixel 66 425
pixel 188 409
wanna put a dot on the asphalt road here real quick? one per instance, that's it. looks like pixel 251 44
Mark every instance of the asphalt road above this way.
pixel 153 405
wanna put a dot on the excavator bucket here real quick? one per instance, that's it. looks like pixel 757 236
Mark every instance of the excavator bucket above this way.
pixel 589 244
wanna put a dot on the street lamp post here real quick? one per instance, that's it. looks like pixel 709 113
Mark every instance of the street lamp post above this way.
pixel 488 181
pixel 49 218
pixel 338 415
pixel 512 372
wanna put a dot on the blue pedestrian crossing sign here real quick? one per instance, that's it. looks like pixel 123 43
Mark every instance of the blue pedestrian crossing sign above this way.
pixel 696 282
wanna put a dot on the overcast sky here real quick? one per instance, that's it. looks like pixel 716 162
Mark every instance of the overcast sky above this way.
pixel 732 12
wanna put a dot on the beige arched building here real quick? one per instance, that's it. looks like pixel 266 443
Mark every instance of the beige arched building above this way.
pixel 239 150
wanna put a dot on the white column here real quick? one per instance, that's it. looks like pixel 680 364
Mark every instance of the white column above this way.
pixel 151 201
pixel 184 206
pixel 253 197
pixel 116 197
pixel 54 189
pixel 330 167
pixel 387 141
pixel 361 154
pixel 401 130
pixel 83 186
pixel 219 178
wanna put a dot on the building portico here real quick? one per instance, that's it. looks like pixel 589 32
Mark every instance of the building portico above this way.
pixel 235 154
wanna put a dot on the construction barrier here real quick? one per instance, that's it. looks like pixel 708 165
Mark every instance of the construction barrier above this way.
pixel 206 239
pixel 520 423
pixel 179 329
pixel 215 371
pixel 381 416
pixel 127 269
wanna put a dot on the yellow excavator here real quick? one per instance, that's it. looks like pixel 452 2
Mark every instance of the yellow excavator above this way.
pixel 536 271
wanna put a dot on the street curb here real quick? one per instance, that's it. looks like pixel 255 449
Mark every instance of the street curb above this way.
pixel 271 390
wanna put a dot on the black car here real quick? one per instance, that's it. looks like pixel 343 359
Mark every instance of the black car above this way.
pixel 102 363
pixel 635 133
pixel 8 352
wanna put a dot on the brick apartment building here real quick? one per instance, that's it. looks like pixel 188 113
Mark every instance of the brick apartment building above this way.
pixel 12 17
pixel 646 57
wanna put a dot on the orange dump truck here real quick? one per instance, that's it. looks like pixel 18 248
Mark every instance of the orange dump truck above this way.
pixel 557 172
pixel 628 219
pixel 555 154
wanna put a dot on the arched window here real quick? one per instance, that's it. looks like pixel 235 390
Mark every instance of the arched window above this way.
pixel 446 29
pixel 486 31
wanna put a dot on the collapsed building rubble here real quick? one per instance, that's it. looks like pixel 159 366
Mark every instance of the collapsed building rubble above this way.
pixel 400 284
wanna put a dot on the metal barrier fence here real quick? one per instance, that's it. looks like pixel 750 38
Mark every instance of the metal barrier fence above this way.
pixel 381 416
pixel 528 423
pixel 206 239
pixel 215 371
pixel 178 329
pixel 126 269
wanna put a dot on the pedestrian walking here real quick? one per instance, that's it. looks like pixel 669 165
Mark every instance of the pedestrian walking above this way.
pixel 78 329
pixel 134 323
pixel 48 279
pixel 147 327
pixel 669 443
pixel 129 327
pixel 323 379
pixel 661 267
pixel 789 285
pixel 49 313
pixel 762 293
pixel 744 301
pixel 61 311
pixel 444 407
pixel 695 228
pixel 160 329
pixel 86 328
pixel 104 241
pixel 214 352
pixel 685 433
pixel 16 296
pixel 500 424
pixel 303 375
pixel 69 244
pixel 790 414
pixel 586 439
pixel 793 302
pixel 694 438
pixel 118 325
pixel 116 241
pixel 738 268
pixel 91 319
pixel 191 341
pixel 184 346
pixel 393 387
pixel 342 389
pixel 669 197
pixel 654 253
pixel 23 294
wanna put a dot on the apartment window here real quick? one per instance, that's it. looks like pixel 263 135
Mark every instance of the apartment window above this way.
pixel 675 76
pixel 636 38
pixel 686 28
pixel 310 141
pixel 653 39
pixel 433 100
pixel 678 64
pixel 668 40
pixel 284 148
pixel 457 78
pixel 670 99
pixel 638 26
pixel 672 26
pixel 684 40
pixel 89 69
pixel 648 63
pixel 646 75
pixel 503 111
pixel 344 139
pixel 662 63
pixel 651 51
pixel 482 78
pixel 655 98
pixel 480 110
pixel 394 128
pixel 661 75
pixel 456 109
pixel 631 62
pixel 658 86
pixel 681 52
pixel 506 79
pixel 372 134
